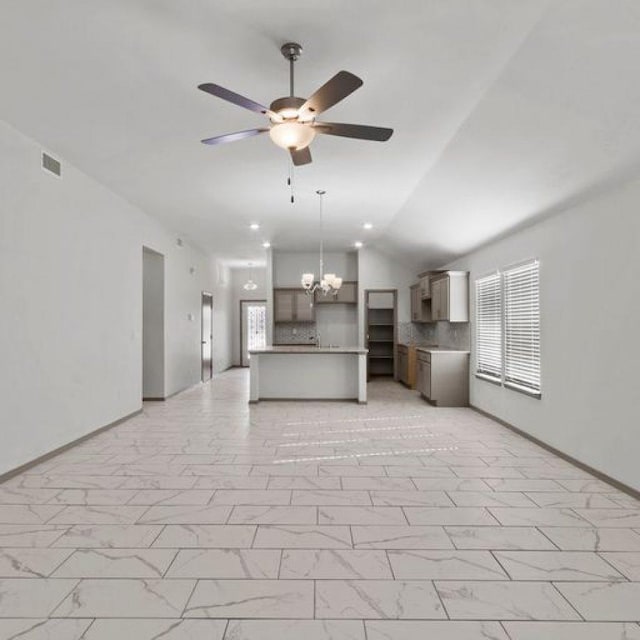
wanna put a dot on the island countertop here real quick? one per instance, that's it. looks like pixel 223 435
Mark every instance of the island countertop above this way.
pixel 307 349
pixel 307 372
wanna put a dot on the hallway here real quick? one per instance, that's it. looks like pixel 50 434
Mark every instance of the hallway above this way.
pixel 207 518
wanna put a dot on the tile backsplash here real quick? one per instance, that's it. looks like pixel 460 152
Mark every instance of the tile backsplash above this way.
pixel 454 335
pixel 413 333
pixel 294 333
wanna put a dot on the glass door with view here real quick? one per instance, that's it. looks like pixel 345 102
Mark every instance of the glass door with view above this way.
pixel 253 330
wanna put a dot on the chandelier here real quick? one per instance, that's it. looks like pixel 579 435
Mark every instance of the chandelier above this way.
pixel 329 283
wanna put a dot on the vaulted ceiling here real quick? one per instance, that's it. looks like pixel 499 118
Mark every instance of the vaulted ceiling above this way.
pixel 503 111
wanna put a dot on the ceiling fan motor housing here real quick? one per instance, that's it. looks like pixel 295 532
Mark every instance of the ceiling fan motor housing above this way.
pixel 287 107
pixel 291 50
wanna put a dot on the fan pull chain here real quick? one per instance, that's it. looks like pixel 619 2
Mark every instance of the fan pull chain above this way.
pixel 290 182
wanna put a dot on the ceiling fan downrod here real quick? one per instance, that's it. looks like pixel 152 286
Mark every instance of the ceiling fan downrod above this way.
pixel 291 51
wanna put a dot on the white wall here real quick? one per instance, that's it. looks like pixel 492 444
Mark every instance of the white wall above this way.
pixel 337 324
pixel 590 313
pixel 71 296
pixel 288 266
pixel 377 270
pixel 238 278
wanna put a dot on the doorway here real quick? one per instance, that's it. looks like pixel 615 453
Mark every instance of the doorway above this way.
pixel 152 325
pixel 381 322
pixel 253 328
pixel 206 340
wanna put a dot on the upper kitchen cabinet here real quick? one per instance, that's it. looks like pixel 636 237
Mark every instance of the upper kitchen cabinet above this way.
pixel 450 296
pixel 424 285
pixel 293 305
pixel 420 308
pixel 347 294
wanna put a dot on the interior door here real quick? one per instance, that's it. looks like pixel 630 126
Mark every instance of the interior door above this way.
pixel 253 329
pixel 207 336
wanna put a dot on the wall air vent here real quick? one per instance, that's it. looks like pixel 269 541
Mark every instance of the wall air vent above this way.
pixel 51 165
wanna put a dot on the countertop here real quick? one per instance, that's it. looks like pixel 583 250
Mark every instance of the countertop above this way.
pixel 417 345
pixel 308 349
pixel 442 350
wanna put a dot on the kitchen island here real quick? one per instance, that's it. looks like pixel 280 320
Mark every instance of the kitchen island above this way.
pixel 308 373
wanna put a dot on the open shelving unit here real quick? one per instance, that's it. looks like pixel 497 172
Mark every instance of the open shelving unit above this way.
pixel 380 332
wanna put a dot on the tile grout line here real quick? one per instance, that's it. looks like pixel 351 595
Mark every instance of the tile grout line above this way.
pixel 186 602
pixel 555 588
pixel 506 632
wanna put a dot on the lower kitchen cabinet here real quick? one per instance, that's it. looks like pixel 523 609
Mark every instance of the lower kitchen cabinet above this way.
pixel 443 376
pixel 407 365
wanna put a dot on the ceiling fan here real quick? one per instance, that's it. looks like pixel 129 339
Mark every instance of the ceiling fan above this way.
pixel 292 120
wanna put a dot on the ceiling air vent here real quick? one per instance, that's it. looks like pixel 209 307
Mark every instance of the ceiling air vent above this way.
pixel 51 165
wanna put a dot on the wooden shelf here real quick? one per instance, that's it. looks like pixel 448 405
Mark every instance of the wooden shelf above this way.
pixel 381 332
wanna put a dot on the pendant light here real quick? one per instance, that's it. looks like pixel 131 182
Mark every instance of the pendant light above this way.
pixel 250 285
pixel 329 283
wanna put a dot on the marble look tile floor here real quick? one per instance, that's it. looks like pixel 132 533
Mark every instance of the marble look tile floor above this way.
pixel 207 518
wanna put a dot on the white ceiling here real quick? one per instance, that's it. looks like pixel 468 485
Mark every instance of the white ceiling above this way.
pixel 503 110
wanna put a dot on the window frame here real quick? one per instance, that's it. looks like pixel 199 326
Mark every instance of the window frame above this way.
pixel 502 380
pixel 486 375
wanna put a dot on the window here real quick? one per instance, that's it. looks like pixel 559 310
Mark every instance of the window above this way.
pixel 508 327
pixel 489 327
pixel 522 327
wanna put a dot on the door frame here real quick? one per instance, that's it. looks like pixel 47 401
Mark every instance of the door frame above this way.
pixel 206 295
pixel 395 326
pixel 241 302
pixel 157 367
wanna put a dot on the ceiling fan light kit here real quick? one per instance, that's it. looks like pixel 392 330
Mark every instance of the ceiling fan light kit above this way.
pixel 292 135
pixel 292 120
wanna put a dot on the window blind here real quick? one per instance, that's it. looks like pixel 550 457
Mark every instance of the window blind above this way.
pixel 522 327
pixel 489 327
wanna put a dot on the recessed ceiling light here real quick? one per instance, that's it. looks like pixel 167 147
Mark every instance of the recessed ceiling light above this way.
pixel 367 226
pixel 254 226
pixel 357 244
pixel 266 245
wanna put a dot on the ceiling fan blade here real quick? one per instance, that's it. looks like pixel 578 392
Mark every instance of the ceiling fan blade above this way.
pixel 360 131
pixel 235 98
pixel 330 93
pixel 232 137
pixel 300 157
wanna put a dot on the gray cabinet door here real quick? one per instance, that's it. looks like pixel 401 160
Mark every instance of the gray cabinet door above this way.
pixel 425 287
pixel 427 380
pixel 304 309
pixel 283 305
pixel 435 299
pixel 420 378
pixel 403 366
pixel 348 292
pixel 444 299
pixel 416 315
